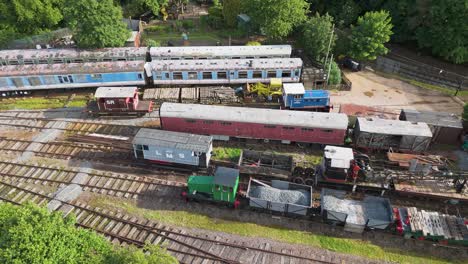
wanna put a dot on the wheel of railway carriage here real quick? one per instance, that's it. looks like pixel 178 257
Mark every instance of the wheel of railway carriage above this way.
pixel 298 171
pixel 309 181
pixel 310 171
pixel 298 180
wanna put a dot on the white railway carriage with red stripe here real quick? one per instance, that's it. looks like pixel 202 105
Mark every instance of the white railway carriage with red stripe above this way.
pixel 223 122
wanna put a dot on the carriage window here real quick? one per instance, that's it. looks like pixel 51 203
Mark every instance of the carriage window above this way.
pixel 307 129
pixel 269 126
pixel 65 79
pixel 70 78
pixel 140 76
pixel 49 80
pixel 28 62
pixel 257 74
pixel 177 76
pixel 288 128
pixel 43 61
pixel 235 58
pixel 14 62
pixel 34 81
pixel 145 147
pixel 242 75
pixel 60 79
pixel 3 82
pixel 327 130
pixel 297 96
pixel 271 74
pixel 207 75
pixel 286 74
pixel 208 122
pixel 226 123
pixel 222 75
pixel 58 61
pixel 192 75
pixel 138 147
pixel 190 121
pixel 297 72
pixel 78 60
pixel 95 76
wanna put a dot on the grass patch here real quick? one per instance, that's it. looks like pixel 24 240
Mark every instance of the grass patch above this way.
pixel 193 220
pixel 227 154
pixel 32 103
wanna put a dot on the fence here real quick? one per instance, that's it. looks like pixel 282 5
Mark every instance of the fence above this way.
pixel 421 72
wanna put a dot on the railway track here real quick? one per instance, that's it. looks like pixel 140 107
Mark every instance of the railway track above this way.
pixel 187 248
pixel 69 126
pixel 118 185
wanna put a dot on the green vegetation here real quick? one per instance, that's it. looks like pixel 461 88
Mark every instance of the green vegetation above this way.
pixel 30 234
pixel 335 73
pixel 253 43
pixel 231 8
pixel 316 36
pixel 96 23
pixel 228 154
pixel 369 35
pixel 465 112
pixel 42 102
pixel 194 220
pixel 276 18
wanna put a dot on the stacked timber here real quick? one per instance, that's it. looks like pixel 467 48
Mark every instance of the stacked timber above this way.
pixel 189 95
pixel 160 95
pixel 217 95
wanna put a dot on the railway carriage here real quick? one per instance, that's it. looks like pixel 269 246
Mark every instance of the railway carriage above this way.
pixel 220 52
pixel 223 122
pixel 73 75
pixel 61 56
pixel 224 71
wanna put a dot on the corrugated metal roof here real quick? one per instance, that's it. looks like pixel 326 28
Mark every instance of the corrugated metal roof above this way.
pixel 340 157
pixel 255 115
pixel 222 51
pixel 95 67
pixel 293 88
pixel 227 64
pixel 433 118
pixel 226 176
pixel 115 92
pixel 21 54
pixel 393 127
pixel 177 140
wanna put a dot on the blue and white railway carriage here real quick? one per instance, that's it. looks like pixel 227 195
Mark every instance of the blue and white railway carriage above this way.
pixel 173 148
pixel 73 75
pixel 166 72
pixel 220 52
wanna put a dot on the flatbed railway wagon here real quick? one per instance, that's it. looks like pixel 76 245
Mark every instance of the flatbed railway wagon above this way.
pixel 112 101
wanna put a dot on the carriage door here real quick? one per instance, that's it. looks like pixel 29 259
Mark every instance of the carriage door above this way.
pixel 232 76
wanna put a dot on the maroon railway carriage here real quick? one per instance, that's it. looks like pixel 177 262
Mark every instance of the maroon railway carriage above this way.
pixel 118 100
pixel 286 126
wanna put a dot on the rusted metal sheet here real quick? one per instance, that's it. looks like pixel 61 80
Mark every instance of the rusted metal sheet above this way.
pixel 403 160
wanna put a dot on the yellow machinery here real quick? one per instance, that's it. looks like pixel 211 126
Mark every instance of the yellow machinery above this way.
pixel 269 92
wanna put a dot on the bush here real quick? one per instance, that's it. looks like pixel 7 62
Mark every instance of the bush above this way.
pixel 253 43
pixel 188 24
pixel 465 112
pixel 215 17
pixel 152 43
pixel 158 28
pixel 335 73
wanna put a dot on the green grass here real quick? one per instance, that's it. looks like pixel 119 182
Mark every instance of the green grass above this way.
pixel 32 103
pixel 227 154
pixel 200 36
pixel 341 245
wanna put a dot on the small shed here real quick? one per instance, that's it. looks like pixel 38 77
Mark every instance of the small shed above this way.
pixel 446 127
pixel 110 99
pixel 169 147
pixel 336 163
pixel 355 215
pixel 376 133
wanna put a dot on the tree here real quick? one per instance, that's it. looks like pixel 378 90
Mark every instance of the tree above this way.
pixel 231 8
pixel 446 30
pixel 335 73
pixel 276 18
pixel 30 234
pixel 345 12
pixel 31 16
pixel 135 8
pixel 96 23
pixel 369 35
pixel 316 34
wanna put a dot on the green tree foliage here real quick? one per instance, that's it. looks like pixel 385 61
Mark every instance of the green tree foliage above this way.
pixel 316 34
pixel 135 8
pixel 215 17
pixel 465 112
pixel 276 18
pixel 231 8
pixel 445 30
pixel 253 43
pixel 344 12
pixel 335 73
pixel 96 23
pixel 29 234
pixel 369 35
pixel 402 12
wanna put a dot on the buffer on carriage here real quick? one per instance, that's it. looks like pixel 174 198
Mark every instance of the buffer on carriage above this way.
pixel 118 101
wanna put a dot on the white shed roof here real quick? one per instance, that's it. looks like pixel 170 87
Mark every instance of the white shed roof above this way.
pixel 222 51
pixel 255 115
pixel 176 140
pixel 227 64
pixel 294 88
pixel 340 157
pixel 115 92
pixel 393 127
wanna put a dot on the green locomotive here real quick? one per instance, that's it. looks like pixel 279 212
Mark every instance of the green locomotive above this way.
pixel 220 188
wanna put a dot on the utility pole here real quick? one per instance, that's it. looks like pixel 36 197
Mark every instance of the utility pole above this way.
pixel 329 44
pixel 329 68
